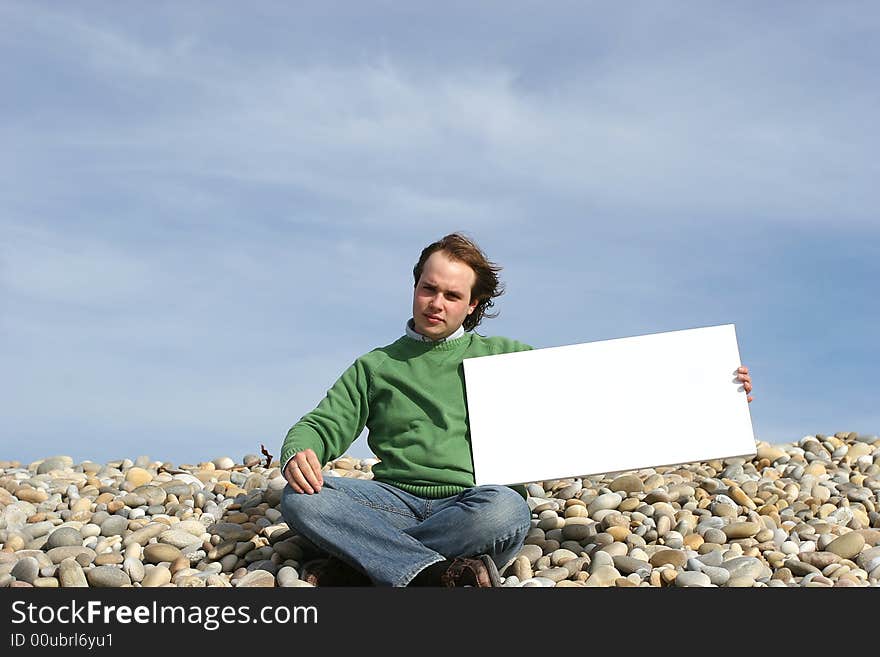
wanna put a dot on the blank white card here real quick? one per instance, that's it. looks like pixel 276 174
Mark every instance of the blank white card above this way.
pixel 608 406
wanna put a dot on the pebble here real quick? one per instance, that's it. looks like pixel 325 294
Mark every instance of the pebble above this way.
pixel 847 546
pixel 676 558
pixel 158 576
pixel 64 537
pixel 114 526
pixel 603 576
pixel 158 552
pixel 802 514
pixel 603 502
pixel 26 570
pixel 71 575
pixel 107 577
pixel 692 578
pixel 257 578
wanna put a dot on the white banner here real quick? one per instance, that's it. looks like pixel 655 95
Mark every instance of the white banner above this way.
pixel 608 406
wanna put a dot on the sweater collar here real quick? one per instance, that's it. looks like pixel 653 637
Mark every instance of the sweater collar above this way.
pixel 412 333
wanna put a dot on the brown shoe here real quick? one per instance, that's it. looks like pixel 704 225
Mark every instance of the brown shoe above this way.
pixel 331 571
pixel 479 571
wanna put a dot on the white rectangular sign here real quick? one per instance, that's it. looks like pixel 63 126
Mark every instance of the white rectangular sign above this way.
pixel 608 406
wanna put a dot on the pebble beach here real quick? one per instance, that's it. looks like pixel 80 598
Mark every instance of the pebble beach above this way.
pixel 801 514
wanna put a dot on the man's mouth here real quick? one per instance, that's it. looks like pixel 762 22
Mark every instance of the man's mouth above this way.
pixel 433 319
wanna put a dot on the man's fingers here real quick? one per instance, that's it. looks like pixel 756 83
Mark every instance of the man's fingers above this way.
pixel 316 468
pixel 298 477
pixel 305 468
pixel 303 472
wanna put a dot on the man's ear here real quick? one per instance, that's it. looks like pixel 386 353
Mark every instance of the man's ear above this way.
pixel 473 304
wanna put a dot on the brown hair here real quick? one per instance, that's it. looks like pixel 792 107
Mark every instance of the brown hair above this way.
pixel 486 286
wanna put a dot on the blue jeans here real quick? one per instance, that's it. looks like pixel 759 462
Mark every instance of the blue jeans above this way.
pixel 391 535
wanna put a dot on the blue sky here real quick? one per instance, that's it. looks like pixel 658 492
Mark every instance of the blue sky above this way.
pixel 207 211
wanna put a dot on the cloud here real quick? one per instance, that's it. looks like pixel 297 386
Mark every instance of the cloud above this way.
pixel 728 134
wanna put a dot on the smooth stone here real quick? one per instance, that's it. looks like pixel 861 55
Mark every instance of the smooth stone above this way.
pixel 133 500
pixel 600 559
pixel 799 568
pixel 714 535
pixel 223 463
pixel 26 570
pixel 71 575
pixel 657 495
pixel 819 559
pixel 717 575
pixel 740 581
pixel 692 578
pixel 751 567
pixel 522 568
pixel 287 576
pixel 179 539
pixel 847 546
pixel 576 565
pixel 288 550
pixel 544 582
pixel 54 463
pixel 615 549
pixel 33 495
pixel 134 568
pixel 627 484
pixel 605 501
pixel 193 527
pixel 577 531
pixel 108 559
pixel 603 576
pixel 114 526
pixel 64 537
pixel 229 531
pixel 742 499
pixel 560 556
pixel 556 574
pixel 59 554
pixel 568 492
pixel 38 529
pixel 107 577
pixel 257 579
pixel 138 477
pixel 741 530
pixel 153 495
pixel 142 536
pixel 629 565
pixel 45 583
pixel 216 580
pixel 157 576
pixel 662 557
pixel 869 559
pixel 158 552
pixel 770 452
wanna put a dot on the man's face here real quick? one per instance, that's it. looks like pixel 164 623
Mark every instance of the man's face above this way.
pixel 442 297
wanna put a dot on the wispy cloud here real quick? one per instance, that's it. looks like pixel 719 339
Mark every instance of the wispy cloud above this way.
pixel 212 210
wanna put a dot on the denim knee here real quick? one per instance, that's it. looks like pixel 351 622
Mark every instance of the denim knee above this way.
pixel 299 505
pixel 502 511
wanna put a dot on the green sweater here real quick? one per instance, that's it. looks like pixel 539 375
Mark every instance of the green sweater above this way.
pixel 411 397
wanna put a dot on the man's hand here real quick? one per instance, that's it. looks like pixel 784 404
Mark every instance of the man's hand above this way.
pixel 743 375
pixel 303 472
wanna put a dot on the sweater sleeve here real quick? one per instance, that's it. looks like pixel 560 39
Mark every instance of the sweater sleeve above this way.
pixel 337 420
